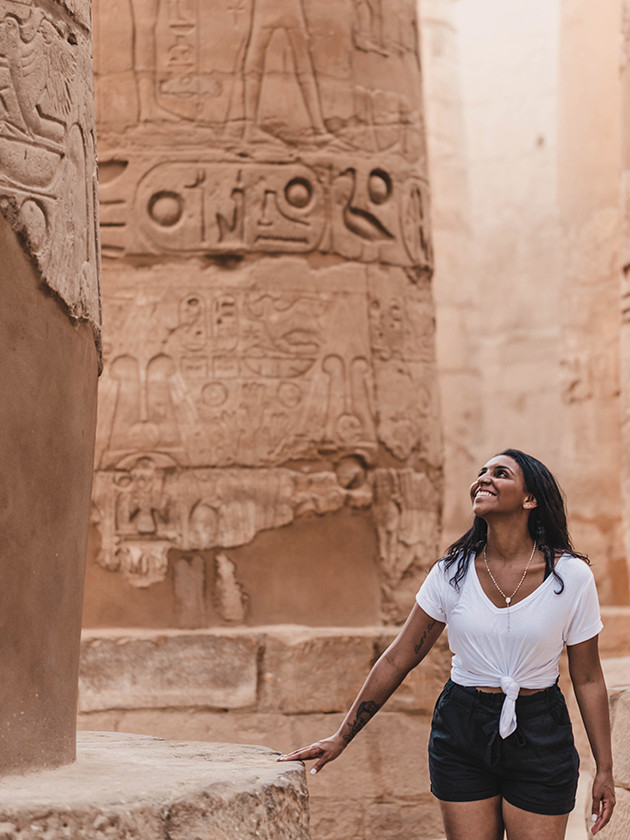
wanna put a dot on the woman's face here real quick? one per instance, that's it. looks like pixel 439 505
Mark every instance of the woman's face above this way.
pixel 500 488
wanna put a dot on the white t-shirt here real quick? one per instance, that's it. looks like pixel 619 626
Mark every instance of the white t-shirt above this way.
pixel 526 655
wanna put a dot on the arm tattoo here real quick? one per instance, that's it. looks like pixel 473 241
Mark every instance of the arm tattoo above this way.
pixel 365 712
pixel 417 648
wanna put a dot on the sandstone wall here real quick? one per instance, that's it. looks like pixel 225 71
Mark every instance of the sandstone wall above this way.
pixel 282 687
pixel 49 332
pixel 589 186
pixel 455 284
pixel 268 432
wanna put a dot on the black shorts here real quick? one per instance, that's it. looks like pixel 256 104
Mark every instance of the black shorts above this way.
pixel 535 768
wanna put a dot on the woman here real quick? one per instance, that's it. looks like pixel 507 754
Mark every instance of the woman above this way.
pixel 513 592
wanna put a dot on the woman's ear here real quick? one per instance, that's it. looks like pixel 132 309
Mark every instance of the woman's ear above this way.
pixel 530 503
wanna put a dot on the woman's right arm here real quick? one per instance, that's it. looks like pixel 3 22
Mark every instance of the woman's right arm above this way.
pixel 415 640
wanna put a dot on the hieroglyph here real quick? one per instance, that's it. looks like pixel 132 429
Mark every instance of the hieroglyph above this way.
pixel 47 146
pixel 269 319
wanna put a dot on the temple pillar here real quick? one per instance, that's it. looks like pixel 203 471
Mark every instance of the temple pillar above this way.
pixel 268 450
pixel 49 335
pixel 268 446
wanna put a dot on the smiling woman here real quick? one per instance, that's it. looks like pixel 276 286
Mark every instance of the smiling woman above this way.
pixel 513 592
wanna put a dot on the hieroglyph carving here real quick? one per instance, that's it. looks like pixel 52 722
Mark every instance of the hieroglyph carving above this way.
pixel 360 210
pixel 265 205
pixel 272 71
pixel 47 146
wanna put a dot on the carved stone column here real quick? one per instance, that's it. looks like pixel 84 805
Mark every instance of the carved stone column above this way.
pixel 49 327
pixel 268 447
pixel 625 275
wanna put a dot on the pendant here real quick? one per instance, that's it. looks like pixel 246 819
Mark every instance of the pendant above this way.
pixel 508 601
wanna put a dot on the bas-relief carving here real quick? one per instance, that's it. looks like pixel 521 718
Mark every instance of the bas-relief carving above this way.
pixel 263 71
pixel 47 147
pixel 261 389
pixel 363 210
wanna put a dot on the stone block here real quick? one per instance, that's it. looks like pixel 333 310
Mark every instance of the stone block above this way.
pixel 149 671
pixel 316 670
pixel 613 640
pixel 146 788
pixel 422 686
pixel 339 820
pixel 393 820
pixel 620 709
pixel 387 759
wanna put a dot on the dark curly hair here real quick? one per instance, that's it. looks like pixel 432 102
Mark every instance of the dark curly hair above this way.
pixel 547 522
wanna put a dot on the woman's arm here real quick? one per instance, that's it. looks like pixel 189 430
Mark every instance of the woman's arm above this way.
pixel 415 640
pixel 590 691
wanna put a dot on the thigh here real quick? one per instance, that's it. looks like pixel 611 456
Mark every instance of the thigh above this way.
pixel 480 820
pixel 524 825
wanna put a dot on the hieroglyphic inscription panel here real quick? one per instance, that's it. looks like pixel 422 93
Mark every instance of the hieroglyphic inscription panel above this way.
pixel 47 144
pixel 268 312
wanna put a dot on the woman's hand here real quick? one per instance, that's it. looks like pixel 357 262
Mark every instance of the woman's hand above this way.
pixel 325 750
pixel 603 800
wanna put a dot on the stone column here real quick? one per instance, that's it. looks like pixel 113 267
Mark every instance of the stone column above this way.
pixel 268 447
pixel 49 317
pixel 455 282
pixel 625 272
pixel 589 176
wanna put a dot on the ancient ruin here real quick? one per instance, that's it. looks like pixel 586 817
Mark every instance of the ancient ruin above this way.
pixel 268 431
pixel 49 334
pixel 268 448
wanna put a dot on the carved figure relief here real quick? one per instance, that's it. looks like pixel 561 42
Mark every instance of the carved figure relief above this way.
pixel 266 235
pixel 46 154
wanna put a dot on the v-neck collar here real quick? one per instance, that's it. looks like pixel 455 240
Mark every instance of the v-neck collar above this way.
pixel 539 588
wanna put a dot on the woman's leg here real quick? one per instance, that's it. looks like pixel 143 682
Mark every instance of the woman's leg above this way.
pixel 523 825
pixel 478 820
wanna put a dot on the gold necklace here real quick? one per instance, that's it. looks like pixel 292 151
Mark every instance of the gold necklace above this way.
pixel 508 598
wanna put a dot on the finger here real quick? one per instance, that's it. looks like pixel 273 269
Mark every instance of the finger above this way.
pixel 319 764
pixel 303 754
pixel 605 814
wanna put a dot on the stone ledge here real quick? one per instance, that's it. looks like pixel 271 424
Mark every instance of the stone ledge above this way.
pixel 287 668
pixel 147 788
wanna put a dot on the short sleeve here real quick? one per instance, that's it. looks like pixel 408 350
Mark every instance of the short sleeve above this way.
pixel 431 596
pixel 585 621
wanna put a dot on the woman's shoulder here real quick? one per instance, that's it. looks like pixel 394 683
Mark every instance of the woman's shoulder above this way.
pixel 572 568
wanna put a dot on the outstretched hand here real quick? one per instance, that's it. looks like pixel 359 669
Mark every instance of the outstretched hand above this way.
pixel 324 751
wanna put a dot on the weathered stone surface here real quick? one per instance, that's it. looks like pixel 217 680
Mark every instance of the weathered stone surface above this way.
pixel 270 352
pixel 613 640
pixel 385 765
pixel 620 715
pixel 140 671
pixel 144 787
pixel 422 686
pixel 48 371
pixel 48 147
pixel 307 671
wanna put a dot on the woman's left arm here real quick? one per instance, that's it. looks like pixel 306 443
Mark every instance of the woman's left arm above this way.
pixel 592 697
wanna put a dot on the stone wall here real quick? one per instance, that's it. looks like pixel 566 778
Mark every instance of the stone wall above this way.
pixel 282 687
pixel 49 335
pixel 589 189
pixel 455 284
